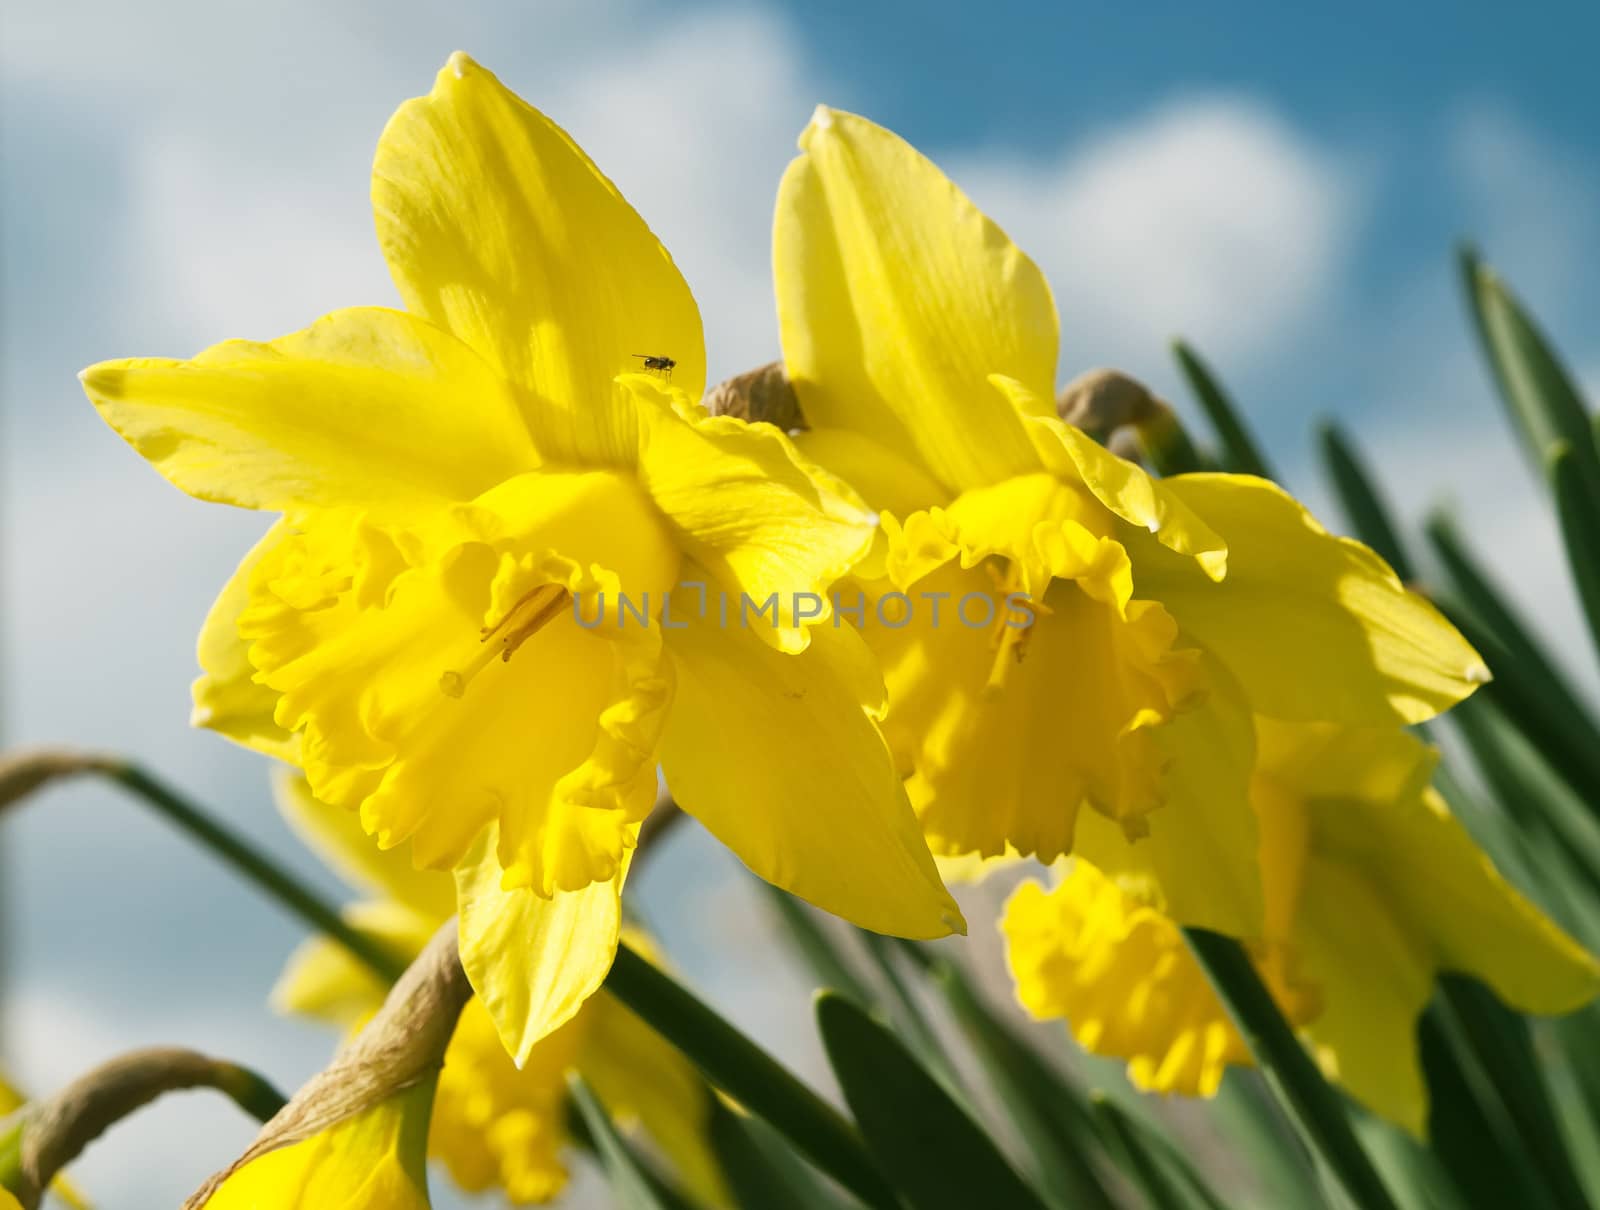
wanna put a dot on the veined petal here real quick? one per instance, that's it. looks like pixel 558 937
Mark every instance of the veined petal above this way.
pixel 1314 626
pixel 533 960
pixel 498 228
pixel 1199 863
pixel 336 835
pixel 897 298
pixel 326 981
pixel 1120 974
pixel 776 756
pixel 752 512
pixel 364 406
pixel 227 698
pixel 1122 486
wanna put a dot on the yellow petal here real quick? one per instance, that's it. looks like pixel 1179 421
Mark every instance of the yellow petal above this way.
pixel 1199 861
pixel 886 480
pixel 776 756
pixel 1121 975
pixel 1375 985
pixel 766 524
pixel 496 1126
pixel 1123 487
pixel 499 229
pixel 227 697
pixel 336 835
pixel 407 714
pixel 533 960
pixel 1465 916
pixel 326 981
pixel 640 1077
pixel 365 405
pixel 377 1158
pixel 1021 733
pixel 897 299
pixel 1314 626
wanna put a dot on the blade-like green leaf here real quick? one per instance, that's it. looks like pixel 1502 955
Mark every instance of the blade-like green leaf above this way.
pixel 747 1073
pixel 1578 509
pixel 1494 1051
pixel 761 1173
pixel 937 1156
pixel 1252 1120
pixel 1051 1116
pixel 1537 390
pixel 1413 1173
pixel 1123 1134
pixel 907 1013
pixel 1239 450
pixel 1314 1107
pixel 630 1188
pixel 1528 788
pixel 828 964
pixel 1358 496
pixel 1479 1153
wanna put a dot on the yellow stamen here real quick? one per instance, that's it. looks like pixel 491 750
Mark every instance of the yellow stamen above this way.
pixel 534 611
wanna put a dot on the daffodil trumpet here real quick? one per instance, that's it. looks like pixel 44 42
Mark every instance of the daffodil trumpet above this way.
pixel 447 477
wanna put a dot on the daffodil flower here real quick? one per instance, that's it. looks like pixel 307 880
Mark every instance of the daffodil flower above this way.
pixel 1058 629
pixel 463 486
pixel 1371 889
pixel 373 1160
pixel 494 1126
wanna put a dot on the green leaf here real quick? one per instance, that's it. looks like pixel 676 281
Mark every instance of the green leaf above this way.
pixel 1527 685
pixel 1494 1053
pixel 1413 1173
pixel 937 1156
pixel 1363 506
pixel 1239 450
pixel 1050 1115
pixel 1313 1106
pixel 1126 1137
pixel 1578 509
pixel 747 1073
pixel 762 1173
pixel 1272 1151
pixel 908 1014
pixel 630 1187
pixel 1527 787
pixel 1544 405
pixel 828 964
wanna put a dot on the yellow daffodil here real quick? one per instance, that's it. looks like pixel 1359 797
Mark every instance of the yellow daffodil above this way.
pixel 373 1160
pixel 1057 628
pixel 1371 888
pixel 475 492
pixel 494 1126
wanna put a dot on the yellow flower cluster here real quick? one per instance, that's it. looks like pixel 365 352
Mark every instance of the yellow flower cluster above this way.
pixel 1183 690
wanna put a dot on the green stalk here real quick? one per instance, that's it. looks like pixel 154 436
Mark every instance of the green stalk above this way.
pixel 263 872
pixel 1312 1104
pixel 747 1073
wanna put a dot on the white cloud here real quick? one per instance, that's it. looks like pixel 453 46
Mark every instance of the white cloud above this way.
pixel 1208 217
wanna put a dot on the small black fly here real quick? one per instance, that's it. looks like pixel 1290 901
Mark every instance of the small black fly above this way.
pixel 657 364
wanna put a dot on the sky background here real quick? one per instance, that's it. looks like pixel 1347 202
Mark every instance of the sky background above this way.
pixel 1283 188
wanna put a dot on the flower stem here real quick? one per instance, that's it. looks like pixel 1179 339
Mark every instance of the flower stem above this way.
pixel 267 875
pixel 1312 1104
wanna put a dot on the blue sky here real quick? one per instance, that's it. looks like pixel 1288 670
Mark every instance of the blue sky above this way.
pixel 1284 187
